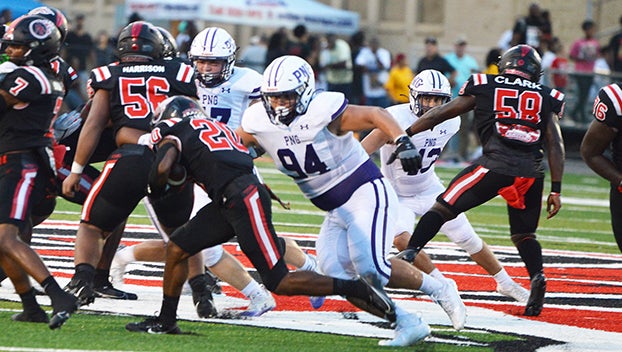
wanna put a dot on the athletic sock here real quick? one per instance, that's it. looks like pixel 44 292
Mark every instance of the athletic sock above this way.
pixel 252 288
pixel 429 284
pixel 168 312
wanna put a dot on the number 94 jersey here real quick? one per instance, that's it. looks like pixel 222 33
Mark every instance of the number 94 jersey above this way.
pixel 306 150
pixel 227 102
pixel 430 144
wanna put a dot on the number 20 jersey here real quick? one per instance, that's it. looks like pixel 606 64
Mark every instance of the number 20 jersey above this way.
pixel 430 144
pixel 137 88
pixel 306 150
pixel 511 117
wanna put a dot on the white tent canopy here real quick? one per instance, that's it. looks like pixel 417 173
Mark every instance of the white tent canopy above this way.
pixel 316 16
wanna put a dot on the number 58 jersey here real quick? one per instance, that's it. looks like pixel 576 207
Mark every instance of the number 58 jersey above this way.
pixel 137 88
pixel 430 144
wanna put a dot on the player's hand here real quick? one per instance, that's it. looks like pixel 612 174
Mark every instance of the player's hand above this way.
pixel 408 155
pixel 71 184
pixel 408 255
pixel 553 204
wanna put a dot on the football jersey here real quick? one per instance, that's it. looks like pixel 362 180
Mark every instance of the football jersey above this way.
pixel 40 92
pixel 608 110
pixel 306 150
pixel 227 101
pixel 511 117
pixel 430 144
pixel 65 71
pixel 211 152
pixel 137 88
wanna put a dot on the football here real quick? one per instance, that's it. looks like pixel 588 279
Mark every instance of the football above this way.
pixel 177 175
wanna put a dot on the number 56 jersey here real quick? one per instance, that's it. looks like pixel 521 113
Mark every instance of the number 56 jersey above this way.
pixel 430 144
pixel 137 88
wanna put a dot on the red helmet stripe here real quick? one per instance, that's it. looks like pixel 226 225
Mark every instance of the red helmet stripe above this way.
pixel 136 28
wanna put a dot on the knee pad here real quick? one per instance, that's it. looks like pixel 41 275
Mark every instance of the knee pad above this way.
pixel 520 237
pixel 460 232
pixel 212 255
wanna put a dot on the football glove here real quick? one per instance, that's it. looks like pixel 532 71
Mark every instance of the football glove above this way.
pixel 407 153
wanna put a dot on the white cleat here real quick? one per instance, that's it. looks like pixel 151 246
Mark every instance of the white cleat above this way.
pixel 117 270
pixel 449 299
pixel 514 291
pixel 261 302
pixel 410 329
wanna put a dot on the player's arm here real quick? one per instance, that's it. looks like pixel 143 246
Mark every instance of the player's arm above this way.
pixel 166 157
pixel 596 140
pixel 8 100
pixel 89 137
pixel 556 156
pixel 374 141
pixel 453 108
pixel 247 139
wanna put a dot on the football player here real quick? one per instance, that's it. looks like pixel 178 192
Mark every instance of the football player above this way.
pixel 516 117
pixel 215 158
pixel 309 136
pixel 30 96
pixel 125 93
pixel 604 133
pixel 417 193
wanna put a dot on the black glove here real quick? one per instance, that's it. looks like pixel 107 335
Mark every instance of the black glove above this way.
pixel 408 255
pixel 407 153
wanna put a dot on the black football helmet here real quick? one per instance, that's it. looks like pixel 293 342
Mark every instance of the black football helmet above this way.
pixel 178 106
pixel 140 39
pixel 38 34
pixel 53 15
pixel 523 61
pixel 170 45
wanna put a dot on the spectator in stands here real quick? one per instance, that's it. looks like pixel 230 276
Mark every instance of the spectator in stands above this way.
pixel 584 53
pixel 400 76
pixel 559 67
pixel 528 29
pixel 376 62
pixel 254 55
pixel 6 16
pixel 357 42
pixel 277 46
pixel 187 31
pixel 336 62
pixel 79 51
pixel 434 61
pixel 300 45
pixel 492 60
pixel 104 50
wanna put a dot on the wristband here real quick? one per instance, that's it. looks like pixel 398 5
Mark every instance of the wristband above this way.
pixel 554 194
pixel 409 132
pixel 556 187
pixel 76 168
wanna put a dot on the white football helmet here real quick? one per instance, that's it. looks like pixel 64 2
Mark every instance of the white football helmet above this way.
pixel 287 78
pixel 427 82
pixel 214 43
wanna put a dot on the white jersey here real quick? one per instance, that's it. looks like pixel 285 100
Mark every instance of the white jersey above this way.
pixel 227 102
pixel 306 150
pixel 430 144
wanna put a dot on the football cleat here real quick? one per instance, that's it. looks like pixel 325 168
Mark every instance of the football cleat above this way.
pixel 317 301
pixel 378 299
pixel 62 312
pixel 407 255
pixel 514 291
pixel 82 290
pixel 38 316
pixel 261 302
pixel 410 329
pixel 536 297
pixel 204 304
pixel 108 291
pixel 449 299
pixel 152 326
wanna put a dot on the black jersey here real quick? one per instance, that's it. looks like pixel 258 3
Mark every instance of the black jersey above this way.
pixel 137 88
pixel 511 117
pixel 68 75
pixel 26 125
pixel 608 110
pixel 211 152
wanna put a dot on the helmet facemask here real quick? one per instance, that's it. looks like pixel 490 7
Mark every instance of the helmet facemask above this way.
pixel 423 105
pixel 287 105
pixel 213 79
pixel 428 83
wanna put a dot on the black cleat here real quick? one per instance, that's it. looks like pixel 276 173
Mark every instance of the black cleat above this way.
pixel 153 326
pixel 204 303
pixel 38 316
pixel 536 297
pixel 61 314
pixel 407 255
pixel 82 290
pixel 108 291
pixel 379 300
pixel 212 282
